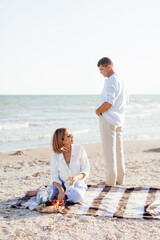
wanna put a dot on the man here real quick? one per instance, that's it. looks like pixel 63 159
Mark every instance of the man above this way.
pixel 111 119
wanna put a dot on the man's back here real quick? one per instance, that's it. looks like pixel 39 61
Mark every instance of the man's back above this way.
pixel 115 93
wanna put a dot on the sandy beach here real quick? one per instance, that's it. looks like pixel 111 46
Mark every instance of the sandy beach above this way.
pixel 19 173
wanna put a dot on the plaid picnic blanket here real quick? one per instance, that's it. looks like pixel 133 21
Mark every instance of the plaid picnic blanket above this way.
pixel 138 202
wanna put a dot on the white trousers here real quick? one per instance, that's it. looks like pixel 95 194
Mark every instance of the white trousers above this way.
pixel 112 144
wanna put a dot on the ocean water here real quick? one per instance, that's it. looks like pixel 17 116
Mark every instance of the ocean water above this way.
pixel 29 121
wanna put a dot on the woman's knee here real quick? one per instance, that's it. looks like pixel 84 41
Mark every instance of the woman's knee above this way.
pixel 76 196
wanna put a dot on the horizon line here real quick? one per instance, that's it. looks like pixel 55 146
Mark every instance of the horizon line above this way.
pixel 71 94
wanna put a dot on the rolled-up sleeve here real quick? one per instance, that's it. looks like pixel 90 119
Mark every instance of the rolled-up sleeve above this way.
pixel 110 90
pixel 54 171
pixel 84 164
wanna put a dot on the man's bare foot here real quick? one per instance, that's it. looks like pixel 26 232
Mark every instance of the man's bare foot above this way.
pixel 31 193
pixel 102 183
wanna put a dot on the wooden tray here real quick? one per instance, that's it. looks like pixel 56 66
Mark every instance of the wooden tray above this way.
pixel 52 209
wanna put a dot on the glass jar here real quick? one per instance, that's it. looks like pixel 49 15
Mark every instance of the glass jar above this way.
pixel 43 195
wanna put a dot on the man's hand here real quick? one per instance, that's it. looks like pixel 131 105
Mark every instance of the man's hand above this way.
pixel 103 108
pixel 98 113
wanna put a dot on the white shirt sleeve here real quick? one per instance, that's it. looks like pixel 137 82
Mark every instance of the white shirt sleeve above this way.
pixel 84 164
pixel 110 92
pixel 54 171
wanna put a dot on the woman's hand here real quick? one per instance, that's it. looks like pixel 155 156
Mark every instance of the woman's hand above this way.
pixel 61 196
pixel 72 180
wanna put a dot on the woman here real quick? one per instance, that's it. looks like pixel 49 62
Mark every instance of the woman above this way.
pixel 69 162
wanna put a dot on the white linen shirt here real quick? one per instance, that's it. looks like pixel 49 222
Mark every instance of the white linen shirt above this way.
pixel 78 164
pixel 114 92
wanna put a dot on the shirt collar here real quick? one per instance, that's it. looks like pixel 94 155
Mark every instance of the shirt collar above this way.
pixel 114 74
pixel 73 152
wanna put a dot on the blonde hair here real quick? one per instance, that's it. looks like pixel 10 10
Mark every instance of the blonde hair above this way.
pixel 57 140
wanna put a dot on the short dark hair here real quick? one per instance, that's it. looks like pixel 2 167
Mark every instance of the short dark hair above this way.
pixel 104 62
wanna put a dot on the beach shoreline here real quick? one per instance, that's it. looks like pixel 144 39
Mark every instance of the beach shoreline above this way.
pixel 37 118
pixel 20 173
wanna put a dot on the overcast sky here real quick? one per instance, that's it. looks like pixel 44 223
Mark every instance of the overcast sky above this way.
pixel 53 46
